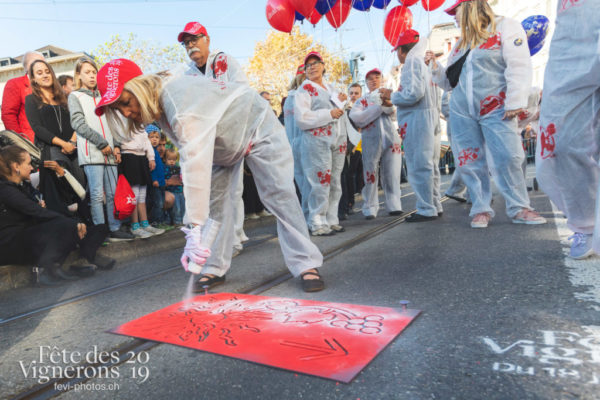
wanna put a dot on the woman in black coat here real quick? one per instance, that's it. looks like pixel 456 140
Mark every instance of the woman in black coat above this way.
pixel 32 234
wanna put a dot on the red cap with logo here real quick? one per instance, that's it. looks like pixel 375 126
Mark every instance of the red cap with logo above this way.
pixel 315 54
pixel 111 79
pixel 192 28
pixel 373 71
pixel 300 70
pixel 452 9
pixel 407 37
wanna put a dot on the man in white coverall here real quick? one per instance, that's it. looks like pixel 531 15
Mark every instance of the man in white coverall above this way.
pixel 418 118
pixel 215 124
pixel 567 148
pixel 324 145
pixel 380 142
pixel 219 66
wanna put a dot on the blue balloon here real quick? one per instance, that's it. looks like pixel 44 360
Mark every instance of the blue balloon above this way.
pixel 323 6
pixel 381 4
pixel 536 28
pixel 299 17
pixel 362 5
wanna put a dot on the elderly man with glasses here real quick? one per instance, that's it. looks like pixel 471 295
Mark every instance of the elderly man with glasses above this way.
pixel 222 67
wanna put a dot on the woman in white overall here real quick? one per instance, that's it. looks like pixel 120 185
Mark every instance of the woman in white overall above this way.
pixel 492 90
pixel 568 151
pixel 323 146
pixel 418 112
pixel 380 142
pixel 294 135
pixel 220 123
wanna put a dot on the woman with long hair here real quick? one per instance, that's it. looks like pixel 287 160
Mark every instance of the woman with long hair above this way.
pixel 48 114
pixel 323 146
pixel 489 91
pixel 32 234
pixel 96 151
pixel 220 124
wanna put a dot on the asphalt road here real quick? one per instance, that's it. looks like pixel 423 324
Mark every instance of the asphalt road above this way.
pixel 504 316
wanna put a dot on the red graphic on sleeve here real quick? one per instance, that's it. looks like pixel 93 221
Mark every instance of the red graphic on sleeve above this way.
pixel 220 65
pixel 330 340
pixel 370 178
pixel 364 103
pixel 324 177
pixel 523 116
pixel 311 90
pixel 369 125
pixel 566 4
pixel 492 103
pixel 343 148
pixel 396 148
pixel 403 130
pixel 468 155
pixel 493 43
pixel 400 88
pixel 547 142
pixel 321 131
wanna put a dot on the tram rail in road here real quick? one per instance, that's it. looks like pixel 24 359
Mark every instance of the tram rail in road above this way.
pixel 55 387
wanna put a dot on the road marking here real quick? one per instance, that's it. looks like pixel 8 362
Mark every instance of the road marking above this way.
pixel 583 274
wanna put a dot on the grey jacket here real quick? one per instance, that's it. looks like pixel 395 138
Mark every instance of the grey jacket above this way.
pixel 93 133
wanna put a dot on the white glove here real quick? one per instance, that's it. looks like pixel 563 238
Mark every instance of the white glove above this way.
pixel 193 252
pixel 375 97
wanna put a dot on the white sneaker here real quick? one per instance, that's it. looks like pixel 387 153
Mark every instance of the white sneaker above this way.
pixel 252 216
pixel 141 233
pixel 322 231
pixel 265 213
pixel 581 247
pixel 154 231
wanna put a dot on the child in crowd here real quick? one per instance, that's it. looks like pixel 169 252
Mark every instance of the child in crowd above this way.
pixel 160 199
pixel 137 160
pixel 175 186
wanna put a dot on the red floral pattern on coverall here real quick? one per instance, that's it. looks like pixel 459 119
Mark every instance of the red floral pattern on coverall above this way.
pixel 547 142
pixel 468 155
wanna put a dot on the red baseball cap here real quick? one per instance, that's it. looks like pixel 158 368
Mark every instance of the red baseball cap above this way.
pixel 300 70
pixel 192 28
pixel 313 54
pixel 373 71
pixel 407 37
pixel 452 9
pixel 111 79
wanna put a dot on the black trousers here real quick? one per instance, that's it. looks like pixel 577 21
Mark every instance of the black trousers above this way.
pixel 252 203
pixel 51 242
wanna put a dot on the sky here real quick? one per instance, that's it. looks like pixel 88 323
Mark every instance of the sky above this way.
pixel 235 26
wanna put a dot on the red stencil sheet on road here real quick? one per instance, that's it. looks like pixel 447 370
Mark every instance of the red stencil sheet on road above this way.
pixel 330 340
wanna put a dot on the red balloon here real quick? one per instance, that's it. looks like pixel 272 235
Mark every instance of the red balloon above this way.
pixel 398 20
pixel 281 15
pixel 315 17
pixel 431 5
pixel 304 7
pixel 408 3
pixel 339 13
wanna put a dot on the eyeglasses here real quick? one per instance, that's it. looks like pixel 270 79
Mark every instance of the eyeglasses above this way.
pixel 191 40
pixel 312 64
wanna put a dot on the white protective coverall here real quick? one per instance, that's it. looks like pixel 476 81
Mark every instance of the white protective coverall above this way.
pixel 529 116
pixel 380 141
pixel 418 120
pixel 221 67
pixel 567 148
pixel 496 77
pixel 457 187
pixel 323 152
pixel 294 135
pixel 221 124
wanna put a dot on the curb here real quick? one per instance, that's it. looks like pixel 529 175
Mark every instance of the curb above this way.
pixel 17 276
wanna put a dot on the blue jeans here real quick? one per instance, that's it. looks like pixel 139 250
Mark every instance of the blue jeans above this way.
pixel 178 209
pixel 157 196
pixel 102 181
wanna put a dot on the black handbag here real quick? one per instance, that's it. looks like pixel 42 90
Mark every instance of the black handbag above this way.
pixel 453 71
